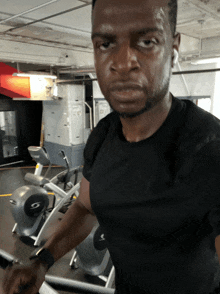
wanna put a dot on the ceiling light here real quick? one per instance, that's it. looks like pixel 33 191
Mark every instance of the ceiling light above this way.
pixel 28 75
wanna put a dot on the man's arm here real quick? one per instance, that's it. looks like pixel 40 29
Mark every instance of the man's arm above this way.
pixel 217 246
pixel 75 226
pixel 73 229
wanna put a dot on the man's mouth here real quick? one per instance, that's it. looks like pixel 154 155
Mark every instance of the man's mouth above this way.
pixel 126 91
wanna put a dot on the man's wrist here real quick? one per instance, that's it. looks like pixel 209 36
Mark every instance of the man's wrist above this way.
pixel 42 256
pixel 39 264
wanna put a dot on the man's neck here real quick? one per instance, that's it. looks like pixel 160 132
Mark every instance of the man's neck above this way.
pixel 145 125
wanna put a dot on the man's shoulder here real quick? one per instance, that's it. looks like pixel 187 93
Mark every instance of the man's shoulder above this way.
pixel 100 132
pixel 106 124
pixel 201 113
pixel 200 124
pixel 96 139
pixel 108 119
pixel 199 141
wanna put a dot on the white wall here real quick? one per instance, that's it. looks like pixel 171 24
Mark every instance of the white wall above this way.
pixel 198 84
pixel 41 54
pixel 216 97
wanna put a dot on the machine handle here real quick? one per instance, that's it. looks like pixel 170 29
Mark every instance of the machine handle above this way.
pixel 6 259
pixel 59 283
pixel 90 114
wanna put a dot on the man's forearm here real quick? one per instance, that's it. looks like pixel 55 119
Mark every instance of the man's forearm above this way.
pixel 73 229
pixel 217 246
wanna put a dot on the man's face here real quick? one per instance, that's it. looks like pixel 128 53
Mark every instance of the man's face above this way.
pixel 133 47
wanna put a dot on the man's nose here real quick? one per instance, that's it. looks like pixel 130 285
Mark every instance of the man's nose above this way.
pixel 125 59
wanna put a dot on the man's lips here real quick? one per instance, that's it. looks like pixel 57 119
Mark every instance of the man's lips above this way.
pixel 126 91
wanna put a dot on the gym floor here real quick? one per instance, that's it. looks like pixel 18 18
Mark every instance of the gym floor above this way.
pixel 11 178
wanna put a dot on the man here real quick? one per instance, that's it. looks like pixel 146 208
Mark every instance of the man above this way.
pixel 151 173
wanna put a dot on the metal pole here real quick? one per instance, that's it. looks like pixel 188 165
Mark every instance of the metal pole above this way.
pixel 184 80
pixel 195 71
pixel 27 11
pixel 174 73
pixel 76 286
pixel 90 115
pixel 48 17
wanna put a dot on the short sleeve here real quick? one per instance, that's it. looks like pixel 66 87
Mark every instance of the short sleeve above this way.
pixel 214 220
pixel 94 143
pixel 209 164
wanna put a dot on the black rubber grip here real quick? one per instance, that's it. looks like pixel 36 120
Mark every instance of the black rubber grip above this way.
pixel 4 263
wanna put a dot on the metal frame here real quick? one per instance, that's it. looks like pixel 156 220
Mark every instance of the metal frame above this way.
pixel 53 214
pixel 61 198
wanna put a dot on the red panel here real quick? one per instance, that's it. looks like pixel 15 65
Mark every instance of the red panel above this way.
pixel 14 87
pixel 19 87
pixel 6 69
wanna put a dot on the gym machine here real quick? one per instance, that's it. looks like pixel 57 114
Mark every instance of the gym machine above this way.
pixel 29 206
pixel 29 203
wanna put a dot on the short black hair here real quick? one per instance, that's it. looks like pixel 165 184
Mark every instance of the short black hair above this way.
pixel 172 14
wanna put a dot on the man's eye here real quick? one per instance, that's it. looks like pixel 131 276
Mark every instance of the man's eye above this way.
pixel 147 43
pixel 106 45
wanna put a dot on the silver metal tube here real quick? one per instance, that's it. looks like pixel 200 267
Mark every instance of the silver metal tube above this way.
pixel 184 80
pixel 38 169
pixel 111 278
pixel 47 17
pixel 76 286
pixel 90 114
pixel 186 72
pixel 47 289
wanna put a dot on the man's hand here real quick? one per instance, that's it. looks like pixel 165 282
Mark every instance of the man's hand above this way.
pixel 24 279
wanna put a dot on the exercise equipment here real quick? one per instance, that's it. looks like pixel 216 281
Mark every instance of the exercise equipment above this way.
pixel 29 203
pixel 58 283
pixel 29 206
pixel 93 257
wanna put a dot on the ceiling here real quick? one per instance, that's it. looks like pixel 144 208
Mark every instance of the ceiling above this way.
pixel 55 34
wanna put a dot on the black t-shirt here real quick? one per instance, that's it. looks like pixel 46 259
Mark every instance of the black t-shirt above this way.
pixel 157 201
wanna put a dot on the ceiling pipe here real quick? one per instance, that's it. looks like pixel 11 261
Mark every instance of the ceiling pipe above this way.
pixel 75 81
pixel 174 73
pixel 48 43
pixel 27 11
pixel 47 17
pixel 195 71
pixel 77 71
pixel 61 28
pixel 183 79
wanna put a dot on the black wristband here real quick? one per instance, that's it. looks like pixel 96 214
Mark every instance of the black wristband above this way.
pixel 43 255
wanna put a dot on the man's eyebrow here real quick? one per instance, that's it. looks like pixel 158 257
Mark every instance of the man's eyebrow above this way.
pixel 141 32
pixel 146 31
pixel 102 35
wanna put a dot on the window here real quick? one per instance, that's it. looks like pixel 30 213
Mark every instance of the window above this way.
pixel 8 134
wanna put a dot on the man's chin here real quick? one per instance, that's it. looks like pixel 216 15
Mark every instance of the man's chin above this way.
pixel 147 107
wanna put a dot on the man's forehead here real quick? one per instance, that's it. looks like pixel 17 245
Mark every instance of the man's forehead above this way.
pixel 114 5
pixel 128 11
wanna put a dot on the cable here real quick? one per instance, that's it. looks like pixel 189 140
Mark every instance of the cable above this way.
pixel 27 11
pixel 47 17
